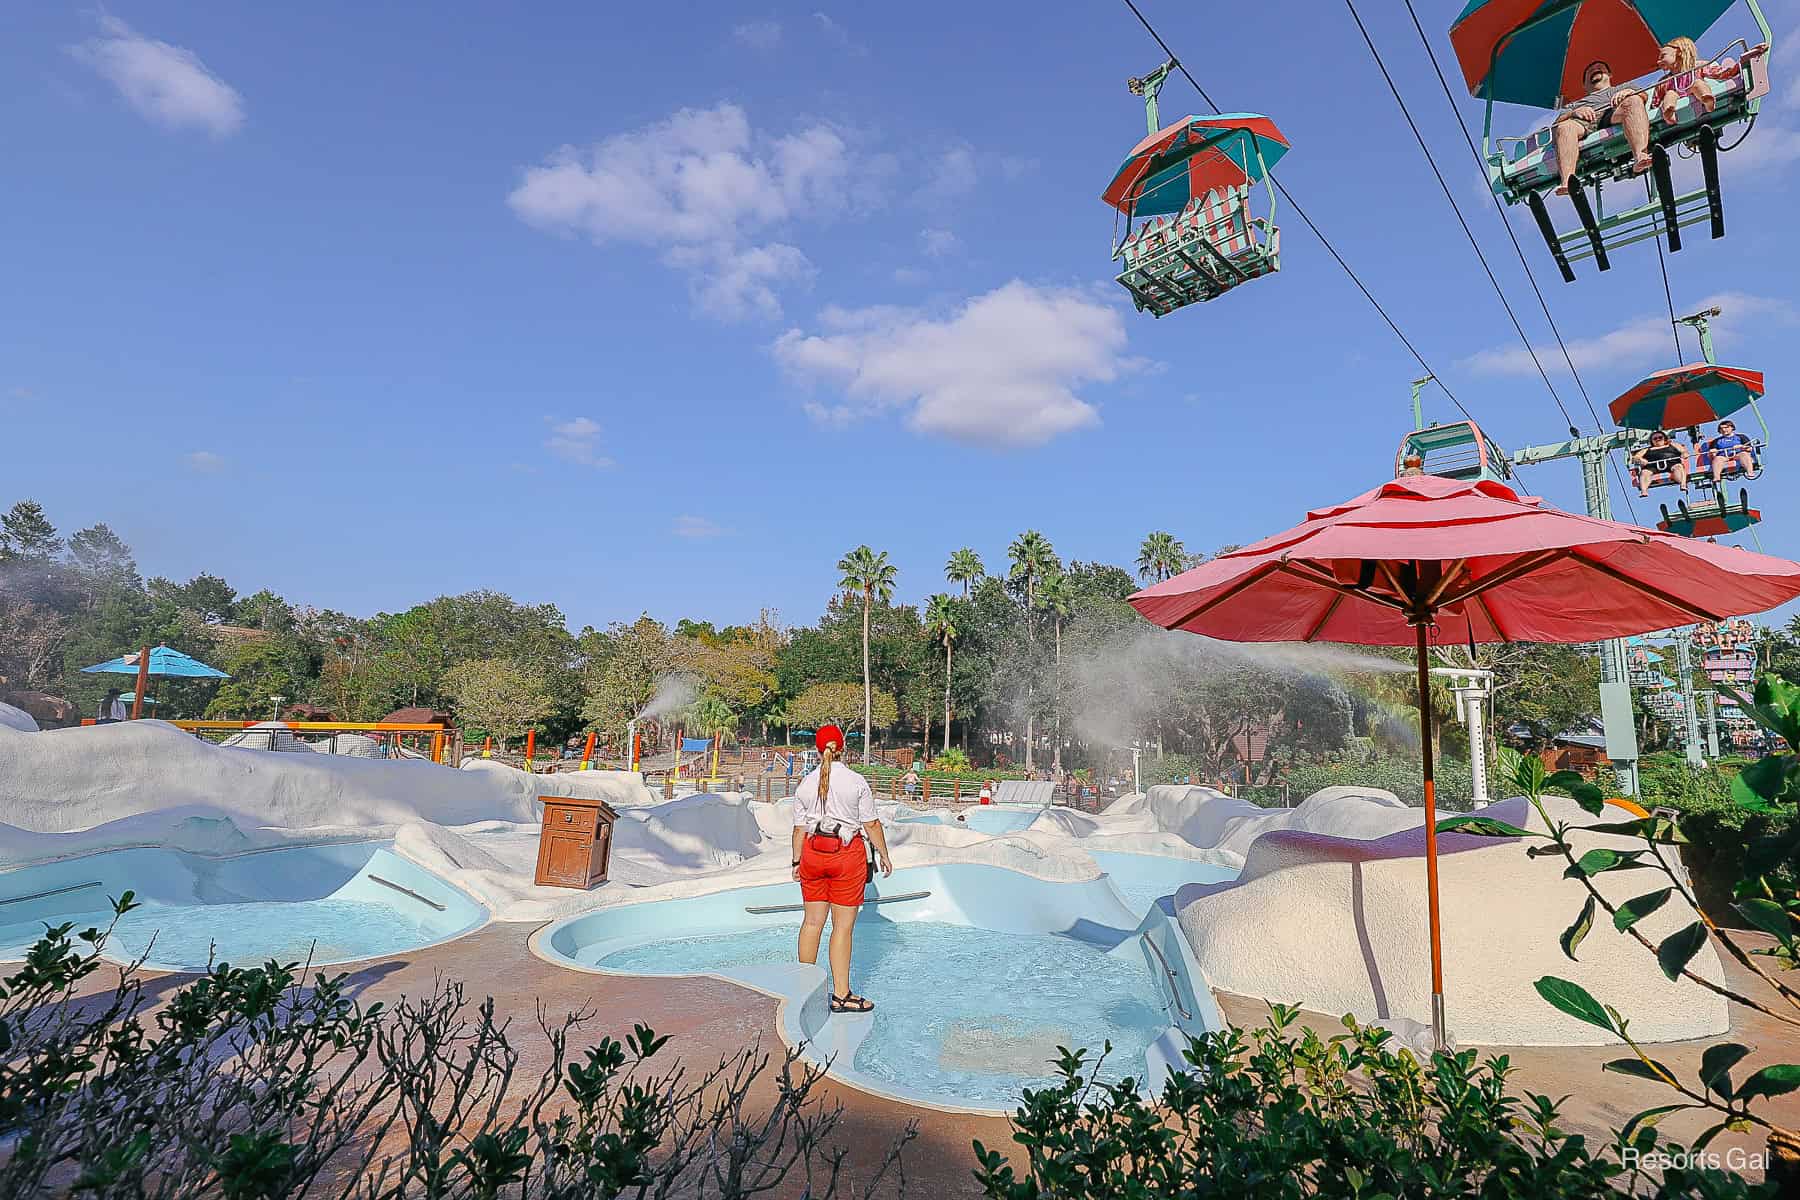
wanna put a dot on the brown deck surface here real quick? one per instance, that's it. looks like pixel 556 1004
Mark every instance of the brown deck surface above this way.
pixel 708 1018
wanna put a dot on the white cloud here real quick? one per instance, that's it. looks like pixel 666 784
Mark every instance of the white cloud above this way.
pixel 701 188
pixel 205 462
pixel 696 527
pixel 758 35
pixel 168 84
pixel 1644 340
pixel 1003 369
pixel 950 177
pixel 576 441
pixel 938 242
pixel 838 36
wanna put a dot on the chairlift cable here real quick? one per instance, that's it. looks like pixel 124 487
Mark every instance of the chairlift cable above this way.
pixel 1530 277
pixel 1306 220
pixel 1456 209
pixel 1662 260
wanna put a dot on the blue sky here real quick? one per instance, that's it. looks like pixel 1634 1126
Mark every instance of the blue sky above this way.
pixel 664 308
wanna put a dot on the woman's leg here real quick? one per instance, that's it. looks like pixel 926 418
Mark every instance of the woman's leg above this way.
pixel 843 930
pixel 812 927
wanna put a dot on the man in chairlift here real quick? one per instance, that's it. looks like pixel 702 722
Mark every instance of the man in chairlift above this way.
pixel 1660 457
pixel 1729 449
pixel 1603 105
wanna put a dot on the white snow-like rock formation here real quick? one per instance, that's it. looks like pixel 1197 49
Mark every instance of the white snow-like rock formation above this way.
pixel 17 718
pixel 1329 911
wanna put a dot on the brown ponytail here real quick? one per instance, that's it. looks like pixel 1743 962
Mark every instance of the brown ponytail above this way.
pixel 826 758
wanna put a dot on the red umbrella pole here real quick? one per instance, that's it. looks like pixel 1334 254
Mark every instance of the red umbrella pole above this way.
pixel 143 683
pixel 1431 863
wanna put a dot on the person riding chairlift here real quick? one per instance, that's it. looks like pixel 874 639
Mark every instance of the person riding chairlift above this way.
pixel 1661 457
pixel 1728 449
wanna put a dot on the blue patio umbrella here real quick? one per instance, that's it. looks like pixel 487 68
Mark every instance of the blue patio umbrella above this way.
pixel 163 661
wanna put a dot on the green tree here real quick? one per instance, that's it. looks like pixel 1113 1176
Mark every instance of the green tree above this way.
pixel 713 717
pixel 626 664
pixel 1057 596
pixel 837 704
pixel 497 696
pixel 1161 556
pixel 940 623
pixel 870 574
pixel 965 568
pixel 1549 690
pixel 27 536
pixel 102 564
pixel 1032 558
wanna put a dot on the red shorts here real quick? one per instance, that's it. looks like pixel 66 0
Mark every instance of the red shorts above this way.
pixel 838 873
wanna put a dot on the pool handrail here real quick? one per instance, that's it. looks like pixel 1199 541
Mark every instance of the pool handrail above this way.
pixel 764 909
pixel 73 887
pixel 1174 991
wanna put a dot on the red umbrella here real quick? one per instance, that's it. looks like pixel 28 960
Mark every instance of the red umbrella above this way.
pixel 1423 558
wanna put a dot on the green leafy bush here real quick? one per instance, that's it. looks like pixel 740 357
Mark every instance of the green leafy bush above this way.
pixel 1275 1113
pixel 1719 830
pixel 247 1085
pixel 1401 776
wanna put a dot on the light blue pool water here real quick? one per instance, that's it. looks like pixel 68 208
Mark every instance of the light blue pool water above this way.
pixel 323 904
pixel 979 974
pixel 991 819
pixel 1144 879
pixel 967 1013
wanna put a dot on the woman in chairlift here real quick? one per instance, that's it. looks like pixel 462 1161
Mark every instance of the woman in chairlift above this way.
pixel 1661 457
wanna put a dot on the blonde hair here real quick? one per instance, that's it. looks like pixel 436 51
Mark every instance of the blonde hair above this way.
pixel 826 756
pixel 1686 53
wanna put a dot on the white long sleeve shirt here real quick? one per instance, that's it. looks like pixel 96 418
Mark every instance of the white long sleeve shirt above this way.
pixel 850 802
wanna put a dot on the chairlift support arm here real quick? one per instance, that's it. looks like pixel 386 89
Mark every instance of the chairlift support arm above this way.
pixel 1149 87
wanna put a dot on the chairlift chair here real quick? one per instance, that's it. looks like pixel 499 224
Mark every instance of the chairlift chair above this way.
pixel 1518 62
pixel 1458 450
pixel 1190 234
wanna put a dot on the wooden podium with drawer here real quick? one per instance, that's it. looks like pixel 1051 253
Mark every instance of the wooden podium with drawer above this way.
pixel 576 843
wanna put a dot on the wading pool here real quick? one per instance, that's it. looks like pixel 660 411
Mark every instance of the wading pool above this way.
pixel 326 904
pixel 978 974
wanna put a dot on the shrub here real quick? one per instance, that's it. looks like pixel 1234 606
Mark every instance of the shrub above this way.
pixel 247 1085
pixel 1274 1113
pixel 1401 776
pixel 1719 830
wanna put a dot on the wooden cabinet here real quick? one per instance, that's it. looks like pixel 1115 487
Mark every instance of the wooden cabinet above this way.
pixel 576 843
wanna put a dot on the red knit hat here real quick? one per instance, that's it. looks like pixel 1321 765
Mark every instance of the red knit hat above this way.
pixel 828 735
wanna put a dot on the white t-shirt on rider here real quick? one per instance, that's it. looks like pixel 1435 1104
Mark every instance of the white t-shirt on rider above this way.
pixel 850 803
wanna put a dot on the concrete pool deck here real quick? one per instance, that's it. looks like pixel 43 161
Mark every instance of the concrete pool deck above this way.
pixel 707 1018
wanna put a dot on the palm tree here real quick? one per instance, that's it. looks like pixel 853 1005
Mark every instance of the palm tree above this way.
pixel 863 570
pixel 940 623
pixel 1032 559
pixel 1161 556
pixel 712 716
pixel 965 568
pixel 1058 599
pixel 780 714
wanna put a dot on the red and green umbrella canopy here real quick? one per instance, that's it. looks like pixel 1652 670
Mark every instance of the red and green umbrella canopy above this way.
pixel 1535 51
pixel 1686 396
pixel 1192 157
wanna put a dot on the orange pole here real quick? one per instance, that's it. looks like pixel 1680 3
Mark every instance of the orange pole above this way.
pixel 143 683
pixel 530 747
pixel 1431 858
pixel 589 752
pixel 437 747
pixel 487 746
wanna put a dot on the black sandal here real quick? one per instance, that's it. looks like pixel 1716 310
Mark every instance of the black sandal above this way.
pixel 849 1002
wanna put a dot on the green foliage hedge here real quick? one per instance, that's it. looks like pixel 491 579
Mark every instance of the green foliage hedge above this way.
pixel 1718 828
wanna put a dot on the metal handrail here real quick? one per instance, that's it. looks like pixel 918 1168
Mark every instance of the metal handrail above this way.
pixel 764 909
pixel 1174 992
pixel 74 887
pixel 406 890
